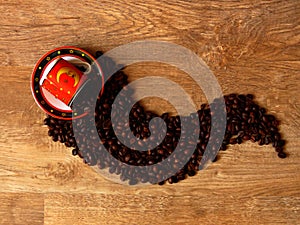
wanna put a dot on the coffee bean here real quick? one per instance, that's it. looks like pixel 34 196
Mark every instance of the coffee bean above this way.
pixel 74 152
pixel 281 155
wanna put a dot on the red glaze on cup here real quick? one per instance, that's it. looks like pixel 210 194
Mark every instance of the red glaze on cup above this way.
pixel 64 81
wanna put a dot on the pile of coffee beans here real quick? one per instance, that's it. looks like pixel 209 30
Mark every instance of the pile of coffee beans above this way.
pixel 244 118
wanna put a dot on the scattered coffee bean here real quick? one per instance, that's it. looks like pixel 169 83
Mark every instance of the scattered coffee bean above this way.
pixel 74 152
pixel 281 155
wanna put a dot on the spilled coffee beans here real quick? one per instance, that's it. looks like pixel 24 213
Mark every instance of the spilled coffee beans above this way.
pixel 246 121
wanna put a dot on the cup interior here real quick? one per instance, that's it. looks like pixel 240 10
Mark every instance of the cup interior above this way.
pixel 48 96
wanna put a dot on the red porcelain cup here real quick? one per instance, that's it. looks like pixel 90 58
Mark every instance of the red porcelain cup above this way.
pixel 64 81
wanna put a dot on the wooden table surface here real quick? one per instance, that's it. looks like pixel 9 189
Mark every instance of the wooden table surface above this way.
pixel 251 47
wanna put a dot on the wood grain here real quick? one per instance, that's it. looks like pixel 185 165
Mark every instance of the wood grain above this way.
pixel 251 47
pixel 21 208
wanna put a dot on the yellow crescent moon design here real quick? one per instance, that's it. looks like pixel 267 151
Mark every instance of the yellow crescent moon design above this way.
pixel 70 73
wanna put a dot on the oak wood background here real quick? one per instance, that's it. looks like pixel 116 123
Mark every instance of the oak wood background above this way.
pixel 251 46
